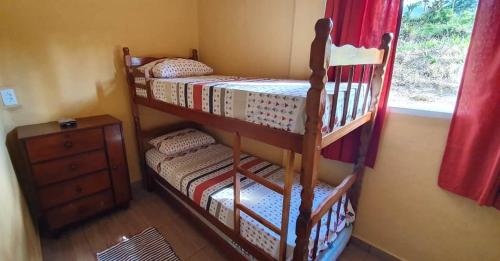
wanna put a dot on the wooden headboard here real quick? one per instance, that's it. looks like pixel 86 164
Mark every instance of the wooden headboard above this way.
pixel 134 61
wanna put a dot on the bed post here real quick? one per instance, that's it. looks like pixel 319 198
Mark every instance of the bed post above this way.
pixel 146 179
pixel 194 55
pixel 315 107
pixel 367 129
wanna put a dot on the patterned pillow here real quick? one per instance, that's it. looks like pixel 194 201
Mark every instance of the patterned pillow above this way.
pixel 172 68
pixel 146 68
pixel 179 141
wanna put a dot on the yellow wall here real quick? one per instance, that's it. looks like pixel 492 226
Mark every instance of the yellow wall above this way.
pixel 19 237
pixel 258 37
pixel 63 58
pixel 237 37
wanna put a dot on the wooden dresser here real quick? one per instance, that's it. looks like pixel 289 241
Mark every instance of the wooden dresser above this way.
pixel 68 175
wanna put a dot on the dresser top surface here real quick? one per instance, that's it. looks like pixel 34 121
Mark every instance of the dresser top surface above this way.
pixel 35 130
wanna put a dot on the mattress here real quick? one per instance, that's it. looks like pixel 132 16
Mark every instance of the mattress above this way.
pixel 274 103
pixel 204 175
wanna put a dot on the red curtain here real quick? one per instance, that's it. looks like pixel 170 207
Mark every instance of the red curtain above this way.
pixel 362 23
pixel 471 162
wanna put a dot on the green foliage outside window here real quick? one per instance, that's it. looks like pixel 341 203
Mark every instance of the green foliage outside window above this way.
pixel 440 19
pixel 433 43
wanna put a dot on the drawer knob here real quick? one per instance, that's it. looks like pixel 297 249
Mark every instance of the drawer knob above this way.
pixel 73 166
pixel 78 189
pixel 114 167
pixel 68 144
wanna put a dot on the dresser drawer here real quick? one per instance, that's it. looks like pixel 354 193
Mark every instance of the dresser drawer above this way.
pixel 64 144
pixel 79 209
pixel 59 193
pixel 69 167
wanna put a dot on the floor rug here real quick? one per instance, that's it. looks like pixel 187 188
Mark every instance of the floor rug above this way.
pixel 147 245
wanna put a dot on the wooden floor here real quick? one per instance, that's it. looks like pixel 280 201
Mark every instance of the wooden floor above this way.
pixel 147 209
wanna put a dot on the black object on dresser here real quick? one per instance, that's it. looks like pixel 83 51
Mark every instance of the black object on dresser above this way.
pixel 70 174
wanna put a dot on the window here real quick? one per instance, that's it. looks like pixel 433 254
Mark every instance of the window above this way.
pixel 432 47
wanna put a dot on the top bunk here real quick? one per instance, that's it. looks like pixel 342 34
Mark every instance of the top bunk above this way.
pixel 273 111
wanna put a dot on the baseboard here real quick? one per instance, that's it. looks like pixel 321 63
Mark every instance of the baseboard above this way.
pixel 373 249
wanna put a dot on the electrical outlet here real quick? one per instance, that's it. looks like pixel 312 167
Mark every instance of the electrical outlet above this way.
pixel 9 98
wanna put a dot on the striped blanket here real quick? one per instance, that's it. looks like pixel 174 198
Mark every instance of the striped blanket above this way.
pixel 274 103
pixel 205 175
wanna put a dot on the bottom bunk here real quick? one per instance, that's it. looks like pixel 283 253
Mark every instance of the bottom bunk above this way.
pixel 203 175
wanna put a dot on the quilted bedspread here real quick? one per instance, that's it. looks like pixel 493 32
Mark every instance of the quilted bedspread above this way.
pixel 204 175
pixel 274 103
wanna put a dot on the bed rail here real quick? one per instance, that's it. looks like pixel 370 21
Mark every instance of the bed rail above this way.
pixel 344 130
pixel 286 191
pixel 331 199
pixel 327 207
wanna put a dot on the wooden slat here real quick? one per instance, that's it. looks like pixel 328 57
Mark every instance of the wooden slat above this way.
pixel 358 94
pixel 149 91
pixel 279 138
pixel 350 55
pixel 316 240
pixel 287 195
pixel 368 87
pixel 236 180
pixel 140 100
pixel 328 202
pixel 328 222
pixel 347 96
pixel 335 97
pixel 264 182
pixel 344 130
pixel 355 105
pixel 260 219
pixel 337 215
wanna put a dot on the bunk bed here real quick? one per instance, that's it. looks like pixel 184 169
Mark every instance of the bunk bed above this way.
pixel 322 113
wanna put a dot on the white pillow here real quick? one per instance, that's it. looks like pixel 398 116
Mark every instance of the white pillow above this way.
pixel 180 141
pixel 173 68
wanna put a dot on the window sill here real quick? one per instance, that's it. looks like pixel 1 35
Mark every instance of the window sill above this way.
pixel 421 112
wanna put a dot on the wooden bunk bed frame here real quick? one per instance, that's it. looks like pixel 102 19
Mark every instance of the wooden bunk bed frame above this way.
pixel 323 56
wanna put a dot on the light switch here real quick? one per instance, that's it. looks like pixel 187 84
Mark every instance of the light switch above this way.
pixel 9 98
